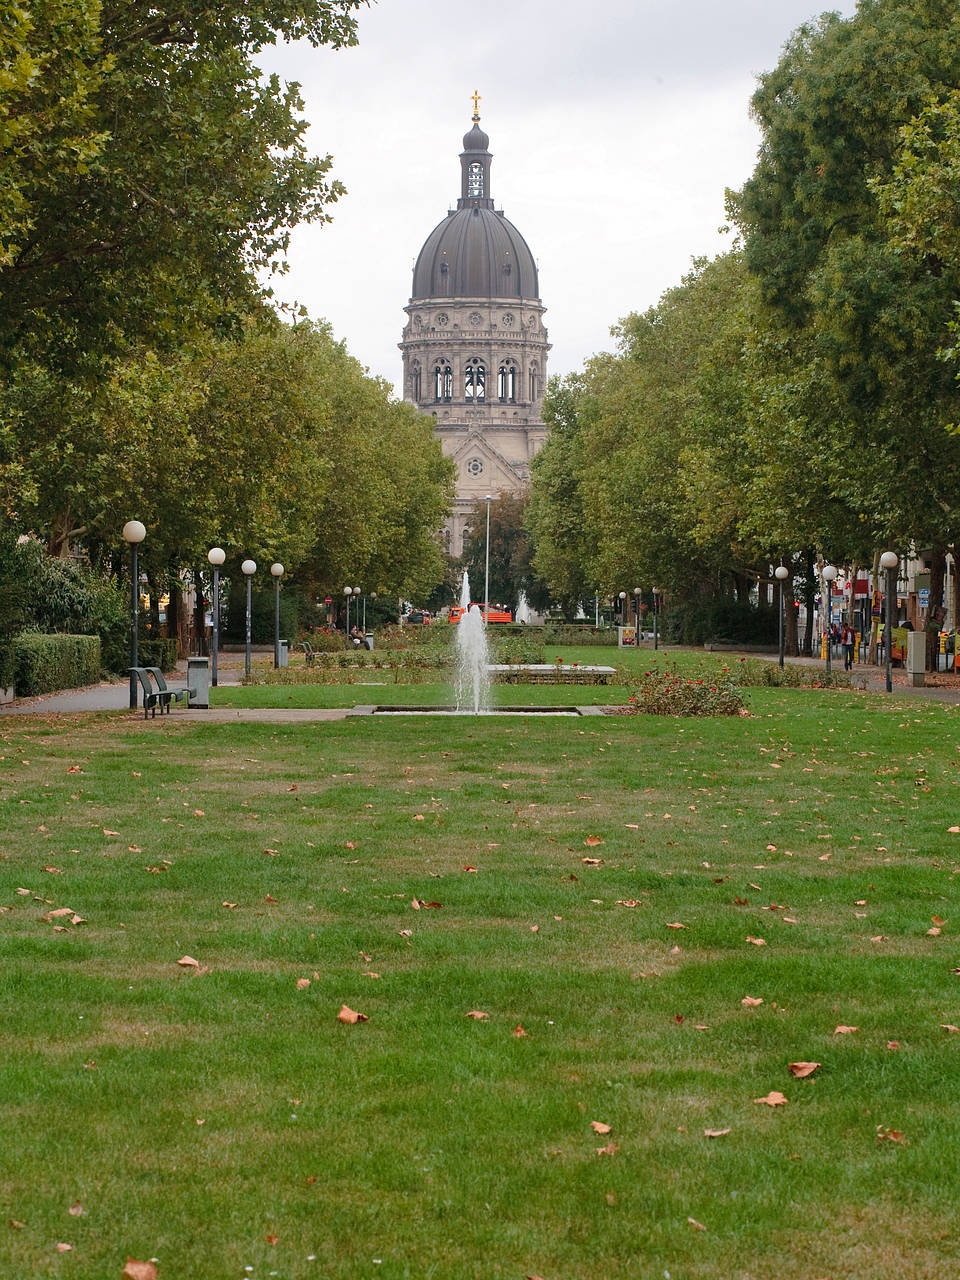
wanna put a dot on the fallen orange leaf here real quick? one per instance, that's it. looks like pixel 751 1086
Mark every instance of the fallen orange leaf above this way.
pixel 476 1014
pixel 697 1226
pixel 518 1031
pixel 347 1014
pixel 188 962
pixel 948 1026
pixel 610 1149
pixel 800 1070
pixel 676 925
pixel 715 1133
pixel 76 1210
pixel 302 984
pixel 773 1099
pixel 599 1127
pixel 757 942
pixel 751 1002
pixel 593 840
pixel 841 1030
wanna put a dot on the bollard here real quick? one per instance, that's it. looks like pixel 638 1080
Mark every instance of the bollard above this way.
pixel 916 657
pixel 198 679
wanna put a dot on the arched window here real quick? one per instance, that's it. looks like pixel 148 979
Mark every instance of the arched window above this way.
pixel 443 380
pixel 474 381
pixel 415 380
pixel 507 382
pixel 534 380
pixel 444 279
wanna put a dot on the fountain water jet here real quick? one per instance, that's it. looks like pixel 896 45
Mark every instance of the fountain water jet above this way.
pixel 465 592
pixel 473 658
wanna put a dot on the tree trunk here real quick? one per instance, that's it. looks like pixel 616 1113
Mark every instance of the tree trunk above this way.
pixel 935 610
pixel 199 616
pixel 175 613
pixel 810 592
pixel 875 579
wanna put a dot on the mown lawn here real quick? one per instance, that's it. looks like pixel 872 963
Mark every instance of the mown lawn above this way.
pixel 610 892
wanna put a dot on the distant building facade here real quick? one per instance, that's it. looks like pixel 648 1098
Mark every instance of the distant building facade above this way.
pixel 474 345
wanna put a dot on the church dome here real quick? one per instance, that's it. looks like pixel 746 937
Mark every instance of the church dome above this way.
pixel 475 252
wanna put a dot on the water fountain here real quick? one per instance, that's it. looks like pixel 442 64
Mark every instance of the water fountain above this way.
pixel 524 613
pixel 465 592
pixel 473 659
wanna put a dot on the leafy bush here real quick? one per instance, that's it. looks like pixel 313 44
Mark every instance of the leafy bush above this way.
pixel 156 651
pixel 757 673
pixel 720 622
pixel 666 693
pixel 43 664
pixel 323 639
pixel 574 633
pixel 516 648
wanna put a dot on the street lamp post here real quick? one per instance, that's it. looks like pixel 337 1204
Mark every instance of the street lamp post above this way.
pixel 134 532
pixel 656 618
pixel 636 607
pixel 889 561
pixel 216 556
pixel 486 567
pixel 781 573
pixel 622 597
pixel 277 570
pixel 373 596
pixel 249 568
pixel 348 592
pixel 829 574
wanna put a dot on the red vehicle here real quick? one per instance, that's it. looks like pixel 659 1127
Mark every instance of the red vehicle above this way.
pixel 493 615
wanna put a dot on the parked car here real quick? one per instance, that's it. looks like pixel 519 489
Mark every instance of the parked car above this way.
pixel 419 617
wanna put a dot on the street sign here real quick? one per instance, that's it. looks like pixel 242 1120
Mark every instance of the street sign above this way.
pixel 923 597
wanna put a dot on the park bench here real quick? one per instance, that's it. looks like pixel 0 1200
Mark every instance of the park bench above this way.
pixel 151 696
pixel 170 693
pixel 308 653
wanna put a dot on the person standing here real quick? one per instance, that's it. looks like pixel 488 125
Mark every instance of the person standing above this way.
pixel 848 638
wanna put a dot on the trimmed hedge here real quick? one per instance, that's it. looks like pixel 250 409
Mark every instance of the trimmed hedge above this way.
pixel 44 664
pixel 156 651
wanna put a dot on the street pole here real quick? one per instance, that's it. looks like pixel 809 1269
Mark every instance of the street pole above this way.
pixel 216 556
pixel 134 532
pixel 889 561
pixel 277 571
pixel 828 575
pixel 249 568
pixel 781 573
pixel 656 617
pixel 486 569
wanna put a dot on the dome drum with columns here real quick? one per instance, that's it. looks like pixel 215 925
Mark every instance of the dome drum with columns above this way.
pixel 474 346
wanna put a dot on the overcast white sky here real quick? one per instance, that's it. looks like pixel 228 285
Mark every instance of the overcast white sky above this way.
pixel 614 126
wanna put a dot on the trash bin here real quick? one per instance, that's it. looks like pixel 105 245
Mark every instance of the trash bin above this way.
pixel 368 640
pixel 198 679
pixel 284 653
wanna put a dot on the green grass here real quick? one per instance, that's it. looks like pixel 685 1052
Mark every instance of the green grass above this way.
pixel 423 1143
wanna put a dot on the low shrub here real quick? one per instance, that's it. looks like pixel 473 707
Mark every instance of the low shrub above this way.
pixel 572 633
pixel 44 664
pixel 758 674
pixel 157 651
pixel 323 639
pixel 666 693
pixel 517 648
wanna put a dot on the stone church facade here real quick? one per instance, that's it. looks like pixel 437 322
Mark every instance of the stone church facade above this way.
pixel 474 345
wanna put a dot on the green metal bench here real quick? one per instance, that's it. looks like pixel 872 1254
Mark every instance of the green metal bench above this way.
pixel 152 698
pixel 169 693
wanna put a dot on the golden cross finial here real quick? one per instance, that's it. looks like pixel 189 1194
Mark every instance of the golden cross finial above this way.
pixel 476 99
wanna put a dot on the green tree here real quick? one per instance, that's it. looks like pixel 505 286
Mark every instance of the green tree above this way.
pixel 511 553
pixel 870 316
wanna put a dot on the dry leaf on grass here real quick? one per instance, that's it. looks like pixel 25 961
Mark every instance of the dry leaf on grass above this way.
pixel 842 1030
pixel 751 1002
pixel 676 925
pixel 890 1135
pixel 599 1127
pixel 347 1014
pixel 593 840
pixel 715 1133
pixel 757 942
pixel 518 1031
pixel 15 1224
pixel 610 1149
pixel 135 1270
pixel 302 984
pixel 188 962
pixel 476 1014
pixel 592 862
pixel 76 1210
pixel 948 1026
pixel 801 1070
pixel 773 1099
pixel 697 1226
pixel 64 1248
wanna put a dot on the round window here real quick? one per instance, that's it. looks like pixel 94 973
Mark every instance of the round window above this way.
pixel 475 467
pixel 476 318
pixel 508 321
pixel 443 320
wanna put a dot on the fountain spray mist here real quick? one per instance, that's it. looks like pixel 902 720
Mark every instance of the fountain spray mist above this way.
pixel 473 656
